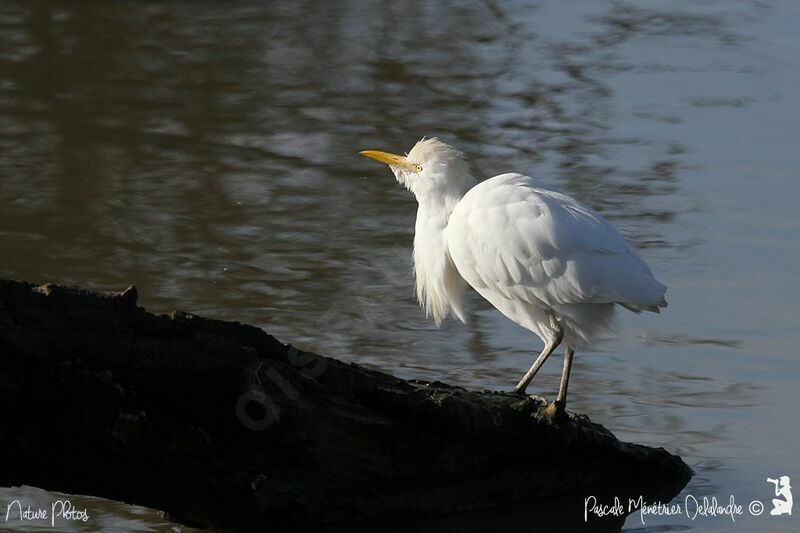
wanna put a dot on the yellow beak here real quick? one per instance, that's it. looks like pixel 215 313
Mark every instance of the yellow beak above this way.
pixel 393 160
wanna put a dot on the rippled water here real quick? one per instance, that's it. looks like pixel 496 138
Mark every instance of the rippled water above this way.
pixel 207 152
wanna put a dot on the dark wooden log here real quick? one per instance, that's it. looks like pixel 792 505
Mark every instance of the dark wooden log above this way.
pixel 218 423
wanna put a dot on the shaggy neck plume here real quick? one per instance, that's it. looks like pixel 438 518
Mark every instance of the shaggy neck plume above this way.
pixel 439 286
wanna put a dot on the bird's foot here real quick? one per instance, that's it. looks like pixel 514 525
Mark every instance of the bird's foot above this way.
pixel 556 412
pixel 519 390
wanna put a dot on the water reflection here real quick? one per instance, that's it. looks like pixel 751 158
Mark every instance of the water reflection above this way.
pixel 199 141
pixel 208 153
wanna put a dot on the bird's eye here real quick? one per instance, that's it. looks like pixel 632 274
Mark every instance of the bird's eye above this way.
pixel 418 168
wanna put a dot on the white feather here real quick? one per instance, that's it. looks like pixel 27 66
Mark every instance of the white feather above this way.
pixel 533 252
pixel 537 255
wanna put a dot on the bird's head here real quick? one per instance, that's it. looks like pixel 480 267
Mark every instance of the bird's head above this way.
pixel 432 169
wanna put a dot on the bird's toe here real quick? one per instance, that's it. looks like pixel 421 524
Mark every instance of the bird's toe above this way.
pixel 556 411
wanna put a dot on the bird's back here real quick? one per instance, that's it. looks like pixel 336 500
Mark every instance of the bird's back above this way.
pixel 533 252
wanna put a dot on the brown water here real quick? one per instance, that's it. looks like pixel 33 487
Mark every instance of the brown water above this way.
pixel 207 152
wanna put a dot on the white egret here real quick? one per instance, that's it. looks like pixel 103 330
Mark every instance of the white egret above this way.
pixel 546 261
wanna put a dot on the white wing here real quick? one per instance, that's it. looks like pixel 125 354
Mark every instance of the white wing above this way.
pixel 508 237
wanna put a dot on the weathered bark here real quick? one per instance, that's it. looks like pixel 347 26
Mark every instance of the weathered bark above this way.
pixel 218 423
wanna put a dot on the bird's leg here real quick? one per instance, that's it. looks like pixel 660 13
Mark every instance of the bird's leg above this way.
pixel 561 399
pixel 549 346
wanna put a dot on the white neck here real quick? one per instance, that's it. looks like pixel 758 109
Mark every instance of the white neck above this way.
pixel 439 286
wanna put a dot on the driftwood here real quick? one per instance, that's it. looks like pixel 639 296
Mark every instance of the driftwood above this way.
pixel 217 423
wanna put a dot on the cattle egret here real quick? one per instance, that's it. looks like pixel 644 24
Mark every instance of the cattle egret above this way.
pixel 544 260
